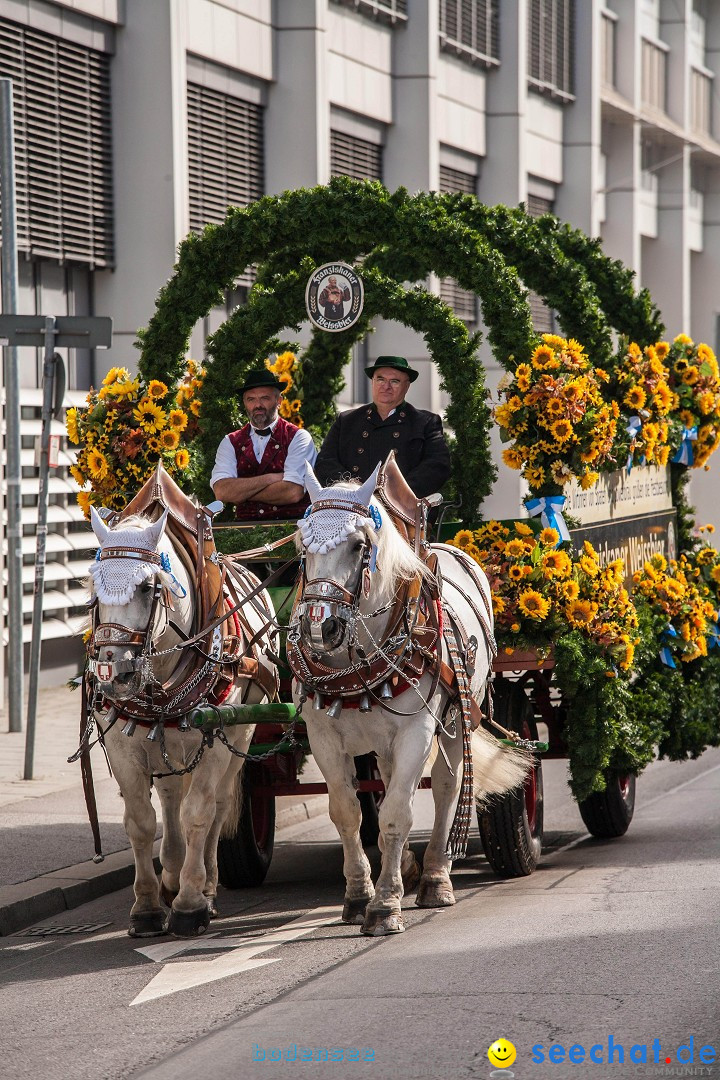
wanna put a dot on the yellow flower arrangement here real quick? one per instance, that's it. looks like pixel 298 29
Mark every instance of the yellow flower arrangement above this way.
pixel 684 592
pixel 126 429
pixel 554 415
pixel 540 592
pixel 694 380
pixel 288 370
pixel 648 431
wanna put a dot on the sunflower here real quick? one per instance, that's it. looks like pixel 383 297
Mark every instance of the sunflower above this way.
pixel 542 357
pixel 588 480
pixel 463 539
pixel 177 419
pixel 169 439
pixel 71 423
pixel 114 374
pixel 515 549
pixel 150 416
pixel 78 475
pixel 549 537
pixel 556 564
pixel 83 499
pixel 154 445
pixel 195 408
pixel 534 605
pixel 635 397
pixel 499 604
pixel 524 530
pixel 97 465
pixel 535 477
pixel 589 566
pixel 182 458
pixel 570 590
pixel 156 389
pixel 126 387
pixel 580 612
pixel 517 573
pixel 562 430
pixel 513 456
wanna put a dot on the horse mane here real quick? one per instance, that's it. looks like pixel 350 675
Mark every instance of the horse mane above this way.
pixel 396 560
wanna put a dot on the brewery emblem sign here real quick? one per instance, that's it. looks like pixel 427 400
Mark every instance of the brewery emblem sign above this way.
pixel 334 297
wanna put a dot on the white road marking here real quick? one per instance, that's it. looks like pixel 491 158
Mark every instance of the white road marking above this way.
pixel 184 976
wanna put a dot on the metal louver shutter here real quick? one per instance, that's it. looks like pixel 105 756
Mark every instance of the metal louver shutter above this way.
pixel 463 302
pixel 354 157
pixel 225 136
pixel 551 25
pixel 470 29
pixel 61 95
pixel 541 314
pixel 390 11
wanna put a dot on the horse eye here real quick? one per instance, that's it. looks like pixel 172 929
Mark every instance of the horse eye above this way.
pixel 358 545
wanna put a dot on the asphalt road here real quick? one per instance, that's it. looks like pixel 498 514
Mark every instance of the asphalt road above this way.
pixel 611 940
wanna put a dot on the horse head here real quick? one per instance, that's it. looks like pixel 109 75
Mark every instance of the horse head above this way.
pixel 354 558
pixel 133 583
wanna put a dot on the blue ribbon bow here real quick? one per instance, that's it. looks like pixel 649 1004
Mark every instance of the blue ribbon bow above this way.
pixel 550 508
pixel 684 455
pixel 665 655
pixel 633 428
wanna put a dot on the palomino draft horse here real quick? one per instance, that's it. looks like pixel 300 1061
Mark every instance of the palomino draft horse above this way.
pixel 164 640
pixel 392 649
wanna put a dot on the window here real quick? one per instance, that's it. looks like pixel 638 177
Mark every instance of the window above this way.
pixel 226 166
pixel 542 316
pixel 550 47
pixel 653 75
pixel 607 48
pixel 701 86
pixel 355 157
pixel 462 301
pixel 469 30
pixel 61 94
pixel 391 11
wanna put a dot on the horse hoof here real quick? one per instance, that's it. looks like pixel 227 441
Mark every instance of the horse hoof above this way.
pixel 212 907
pixel 354 909
pixel 435 894
pixel 411 878
pixel 147 924
pixel 379 923
pixel 188 924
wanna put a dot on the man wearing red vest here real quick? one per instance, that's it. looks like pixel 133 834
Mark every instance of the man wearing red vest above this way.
pixel 261 467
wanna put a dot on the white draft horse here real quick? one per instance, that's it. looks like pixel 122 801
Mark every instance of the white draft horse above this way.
pixel 360 661
pixel 143 670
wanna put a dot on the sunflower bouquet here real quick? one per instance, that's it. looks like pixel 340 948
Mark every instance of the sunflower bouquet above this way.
pixel 683 596
pixel 648 432
pixel 126 429
pixel 288 370
pixel 554 414
pixel 540 592
pixel 695 380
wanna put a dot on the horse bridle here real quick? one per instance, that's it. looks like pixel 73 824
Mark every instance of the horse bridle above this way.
pixel 112 635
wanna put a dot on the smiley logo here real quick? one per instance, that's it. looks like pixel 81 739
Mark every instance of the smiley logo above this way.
pixel 502 1053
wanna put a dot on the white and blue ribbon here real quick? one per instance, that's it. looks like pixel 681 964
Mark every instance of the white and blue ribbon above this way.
pixel 633 428
pixel 713 636
pixel 684 455
pixel 665 655
pixel 550 508
pixel 377 522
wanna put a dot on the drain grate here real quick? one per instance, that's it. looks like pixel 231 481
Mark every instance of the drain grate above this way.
pixel 50 931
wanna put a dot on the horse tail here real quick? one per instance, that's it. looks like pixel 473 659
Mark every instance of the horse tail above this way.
pixel 229 825
pixel 496 768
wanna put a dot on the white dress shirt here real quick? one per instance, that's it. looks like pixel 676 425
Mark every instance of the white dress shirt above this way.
pixel 300 450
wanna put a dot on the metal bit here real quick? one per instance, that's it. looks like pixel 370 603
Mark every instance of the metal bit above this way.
pixel 335 709
pixel 154 733
pixel 365 705
pixel 129 728
pixel 318 701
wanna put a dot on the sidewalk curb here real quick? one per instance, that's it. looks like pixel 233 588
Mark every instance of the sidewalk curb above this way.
pixel 29 902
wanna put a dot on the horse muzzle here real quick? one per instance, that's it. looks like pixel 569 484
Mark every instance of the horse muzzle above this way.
pixel 122 677
pixel 325 625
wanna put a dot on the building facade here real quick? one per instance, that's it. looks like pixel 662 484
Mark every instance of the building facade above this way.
pixel 139 120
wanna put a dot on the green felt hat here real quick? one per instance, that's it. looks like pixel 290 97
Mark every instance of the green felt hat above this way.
pixel 397 362
pixel 260 377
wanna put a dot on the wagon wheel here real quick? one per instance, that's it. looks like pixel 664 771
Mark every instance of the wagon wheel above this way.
pixel 244 859
pixel 511 826
pixel 608 813
pixel 366 768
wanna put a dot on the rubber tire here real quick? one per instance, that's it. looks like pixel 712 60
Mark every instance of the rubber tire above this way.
pixel 511 836
pixel 608 813
pixel 244 859
pixel 366 769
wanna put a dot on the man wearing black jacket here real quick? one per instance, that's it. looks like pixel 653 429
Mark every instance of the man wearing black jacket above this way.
pixel 359 439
